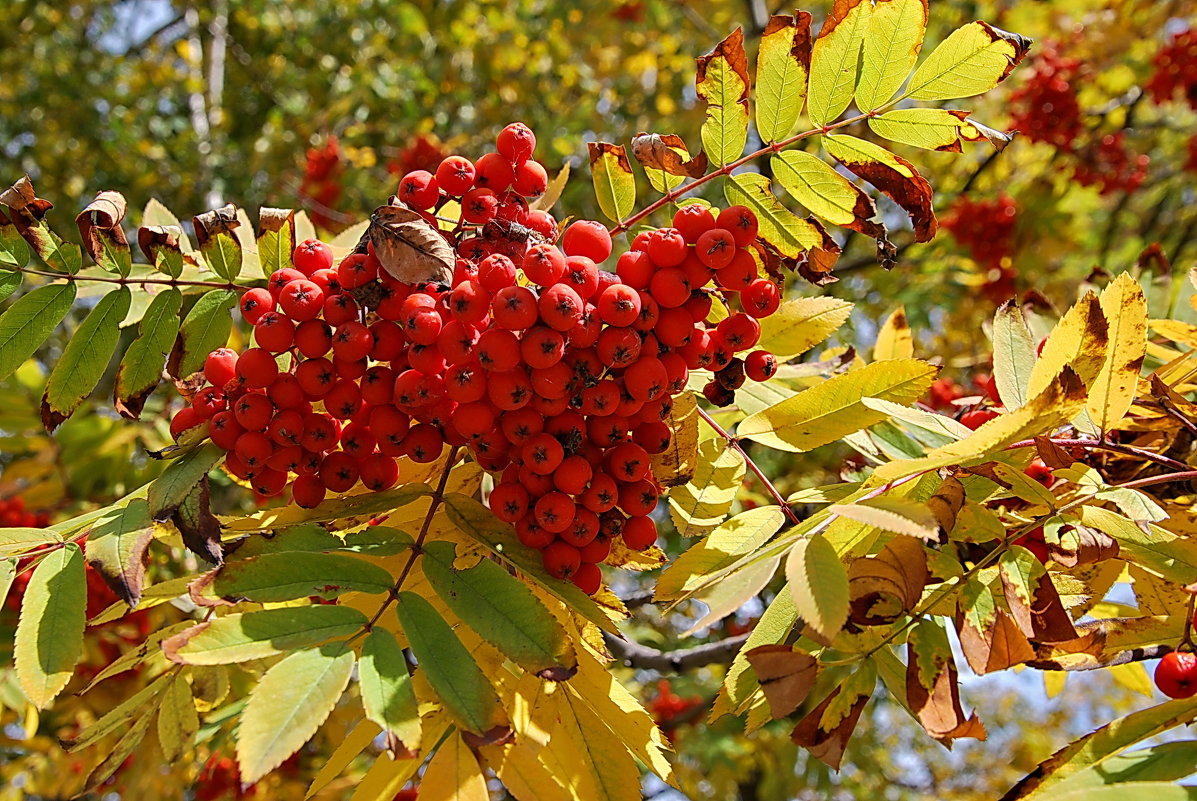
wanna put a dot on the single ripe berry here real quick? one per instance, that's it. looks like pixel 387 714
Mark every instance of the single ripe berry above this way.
pixel 976 418
pixel 588 578
pixel 301 300
pixel 311 255
pixel 1176 675
pixel 587 238
pixel 716 248
pixel 562 560
pixel 255 303
pixel 516 142
pixel 760 365
pixel 531 179
pixel 256 368
pixel 494 172
pixel 760 298
pixel 184 419
pixel 418 189
pixel 741 222
pixel 692 221
pixel 220 367
pixel 1039 471
pixel 455 175
pixel 640 532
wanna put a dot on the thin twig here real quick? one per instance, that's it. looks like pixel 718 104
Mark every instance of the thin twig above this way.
pixel 125 280
pixel 760 474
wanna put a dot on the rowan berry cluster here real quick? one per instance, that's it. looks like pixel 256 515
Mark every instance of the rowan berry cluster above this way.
pixel 670 709
pixel 987 229
pixel 14 514
pixel 1107 164
pixel 322 181
pixel 1045 107
pixel 1176 70
pixel 558 375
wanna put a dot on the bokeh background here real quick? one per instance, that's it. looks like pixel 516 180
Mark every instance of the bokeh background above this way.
pixel 323 104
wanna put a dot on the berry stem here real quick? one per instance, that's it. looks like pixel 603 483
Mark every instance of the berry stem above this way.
pixel 760 474
pixel 124 281
pixel 727 169
pixel 438 496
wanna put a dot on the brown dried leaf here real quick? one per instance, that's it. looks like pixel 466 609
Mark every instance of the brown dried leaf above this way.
pixel 946 504
pixel 102 217
pixel 24 203
pixel 218 221
pixel 786 675
pixel 1053 455
pixel 655 151
pixel 935 699
pixel 886 586
pixel 1082 546
pixel 828 746
pixel 199 527
pixel 271 220
pixel 408 247
pixel 999 646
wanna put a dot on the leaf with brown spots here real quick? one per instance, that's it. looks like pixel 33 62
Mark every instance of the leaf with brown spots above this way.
pixel 199 527
pixel 103 238
pixel 892 174
pixel 886 586
pixel 828 745
pixel 667 153
pixel 932 688
pixel 614 183
pixel 786 675
pixel 989 638
pixel 722 82
pixel 1032 597
pixel 408 247
pixel 1082 545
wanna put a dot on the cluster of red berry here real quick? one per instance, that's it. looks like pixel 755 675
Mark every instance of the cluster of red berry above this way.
pixel 1107 164
pixel 1176 70
pixel 1045 107
pixel 13 514
pixel 558 375
pixel 987 229
pixel 670 709
pixel 424 153
pixel 322 182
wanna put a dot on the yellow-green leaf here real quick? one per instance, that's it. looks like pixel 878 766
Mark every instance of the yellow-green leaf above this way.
pixel 892 42
pixel 800 324
pixel 778 226
pixel 835 60
pixel 704 501
pixel 928 128
pixel 386 686
pixel 27 324
pixel 739 536
pixel 257 635
pixel 286 576
pixel 722 82
pixel 85 358
pixel 1079 341
pixel 833 409
pixel 453 774
pixel 819 585
pixel 825 193
pixel 614 183
pixel 894 340
pixel 289 704
pixel 782 66
pixel 899 515
pixel 49 637
pixel 141 367
pixel 178 721
pixel 1013 355
pixel 972 60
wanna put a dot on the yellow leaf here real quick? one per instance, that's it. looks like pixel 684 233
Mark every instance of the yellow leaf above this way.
pixel 1053 682
pixel 453 774
pixel 825 193
pixel 899 515
pixel 1013 355
pixel 1133 676
pixel 833 409
pixel 1053 407
pixel 593 767
pixel 723 83
pixel 835 60
pixel 819 585
pixel 972 60
pixel 894 340
pixel 522 773
pixel 1078 340
pixel 800 324
pixel 1113 391
pixel 892 42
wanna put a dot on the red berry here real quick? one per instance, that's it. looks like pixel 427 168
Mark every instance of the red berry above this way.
pixel 301 300
pixel 640 532
pixel 588 578
pixel 256 368
pixel 418 189
pixel 311 255
pixel 716 248
pixel 220 367
pixel 308 491
pixel 692 221
pixel 667 247
pixel 531 179
pixel 509 501
pixel 255 303
pixel 379 472
pixel 274 332
pixel 587 238
pixel 516 142
pixel 760 298
pixel 1176 675
pixel 977 417
pixel 760 365
pixel 455 175
pixel 494 172
pixel 184 419
pixel 741 222
pixel 562 560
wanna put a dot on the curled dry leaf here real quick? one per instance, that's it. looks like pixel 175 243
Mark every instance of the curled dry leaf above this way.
pixel 946 504
pixel 786 675
pixel 886 586
pixel 273 220
pixel 828 745
pixel 408 247
pixel 102 217
pixel 656 152
pixel 153 238
pixel 1082 546
pixel 24 202
pixel 218 221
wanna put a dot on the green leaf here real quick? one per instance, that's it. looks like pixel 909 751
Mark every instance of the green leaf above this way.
pixel 739 536
pixel 85 358
pixel 117 546
pixel 825 193
pixel 157 214
pixel 1132 791
pixel 223 254
pixel 276 239
pixel 64 257
pixel 778 225
pixel 614 183
pixel 1091 753
pixel 10 283
pixel 818 584
pixel 723 82
pixel 170 489
pixel 479 523
pixel 28 323
pixel 298 574
pixel 1013 355
pixel 835 60
pixel 833 409
pixel 49 638
pixel 387 693
pixel 773 628
pixel 141 368
pixel 178 721
pixel 1160 551
pixel 205 329
pixel 14 541
pixel 257 635
pixel 14 252
pixel 1169 762
pixel 892 174
pixel 131 737
pixel 142 703
pixel 972 60
pixel 450 669
pixel 498 607
pixel 287 707
pixel 782 66
pixel 892 42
